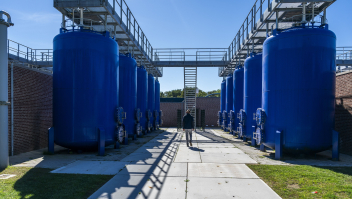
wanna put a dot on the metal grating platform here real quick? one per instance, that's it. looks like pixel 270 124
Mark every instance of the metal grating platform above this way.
pixel 113 16
pixel 264 16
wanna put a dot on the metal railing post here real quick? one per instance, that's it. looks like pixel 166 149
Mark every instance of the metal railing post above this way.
pixel 121 11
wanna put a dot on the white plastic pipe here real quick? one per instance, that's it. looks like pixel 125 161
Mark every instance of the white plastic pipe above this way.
pixel 81 17
pixel 4 120
pixel 304 13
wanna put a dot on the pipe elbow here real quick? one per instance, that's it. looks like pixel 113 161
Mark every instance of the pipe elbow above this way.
pixel 2 20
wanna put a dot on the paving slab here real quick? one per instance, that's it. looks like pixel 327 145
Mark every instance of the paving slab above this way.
pixel 220 170
pixel 144 158
pixel 220 188
pixel 215 145
pixel 168 150
pixel 92 167
pixel 226 158
pixel 220 150
pixel 172 170
pixel 139 186
pixel 188 157
pixel 187 150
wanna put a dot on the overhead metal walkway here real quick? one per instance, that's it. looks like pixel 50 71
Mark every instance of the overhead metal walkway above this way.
pixel 264 17
pixel 114 16
pixel 343 59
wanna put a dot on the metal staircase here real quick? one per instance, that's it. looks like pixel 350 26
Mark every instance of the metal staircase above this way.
pixel 190 90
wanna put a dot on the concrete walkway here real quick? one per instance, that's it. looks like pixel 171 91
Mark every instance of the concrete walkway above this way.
pixel 166 168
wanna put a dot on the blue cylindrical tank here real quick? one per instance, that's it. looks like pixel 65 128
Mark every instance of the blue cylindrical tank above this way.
pixel 298 89
pixel 142 96
pixel 222 102
pixel 85 74
pixel 252 92
pixel 238 81
pixel 128 92
pixel 157 104
pixel 229 97
pixel 151 97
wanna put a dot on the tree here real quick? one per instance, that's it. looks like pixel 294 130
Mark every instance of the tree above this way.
pixel 179 93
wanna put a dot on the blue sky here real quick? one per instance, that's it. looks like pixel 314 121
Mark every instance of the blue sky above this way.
pixel 167 24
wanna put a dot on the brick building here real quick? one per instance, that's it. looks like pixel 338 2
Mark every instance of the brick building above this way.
pixel 32 108
pixel 169 106
pixel 343 111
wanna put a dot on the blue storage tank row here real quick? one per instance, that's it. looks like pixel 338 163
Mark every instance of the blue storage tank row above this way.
pixel 238 81
pixel 252 94
pixel 142 96
pixel 298 90
pixel 128 95
pixel 85 88
pixel 229 101
pixel 222 103
pixel 157 105
pixel 151 100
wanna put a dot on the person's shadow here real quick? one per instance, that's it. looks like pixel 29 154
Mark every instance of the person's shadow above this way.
pixel 196 149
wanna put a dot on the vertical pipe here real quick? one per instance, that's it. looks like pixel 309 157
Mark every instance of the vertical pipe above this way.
pixel 4 118
pixel 277 20
pixel 324 17
pixel 73 17
pixel 81 17
pixel 313 13
pixel 105 22
pixel 63 25
pixel 304 13
pixel 269 6
pixel 12 109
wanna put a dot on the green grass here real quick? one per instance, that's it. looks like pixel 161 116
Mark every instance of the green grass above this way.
pixel 39 183
pixel 302 181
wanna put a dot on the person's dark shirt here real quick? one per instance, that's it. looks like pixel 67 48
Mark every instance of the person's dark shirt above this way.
pixel 188 122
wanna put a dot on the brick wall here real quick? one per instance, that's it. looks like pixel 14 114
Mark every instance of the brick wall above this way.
pixel 170 113
pixel 343 111
pixel 32 109
pixel 211 105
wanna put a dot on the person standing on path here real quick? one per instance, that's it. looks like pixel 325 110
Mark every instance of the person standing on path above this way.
pixel 188 126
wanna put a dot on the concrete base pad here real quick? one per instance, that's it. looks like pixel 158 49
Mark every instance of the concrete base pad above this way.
pixel 92 167
pixel 148 158
pixel 220 188
pixel 188 157
pixel 221 150
pixel 220 170
pixel 171 170
pixel 142 186
pixel 227 158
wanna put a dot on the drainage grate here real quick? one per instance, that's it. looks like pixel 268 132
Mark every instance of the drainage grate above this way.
pixel 6 176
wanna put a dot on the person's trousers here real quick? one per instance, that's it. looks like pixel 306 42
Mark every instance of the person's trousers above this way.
pixel 188 133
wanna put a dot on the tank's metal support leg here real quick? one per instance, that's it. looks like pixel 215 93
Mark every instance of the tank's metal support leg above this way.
pixel 101 142
pixel 253 142
pixel 262 148
pixel 244 139
pixel 51 140
pixel 117 145
pixel 335 145
pixel 125 140
pixel 278 145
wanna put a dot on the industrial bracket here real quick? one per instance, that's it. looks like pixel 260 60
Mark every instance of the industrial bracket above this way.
pixel 5 103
